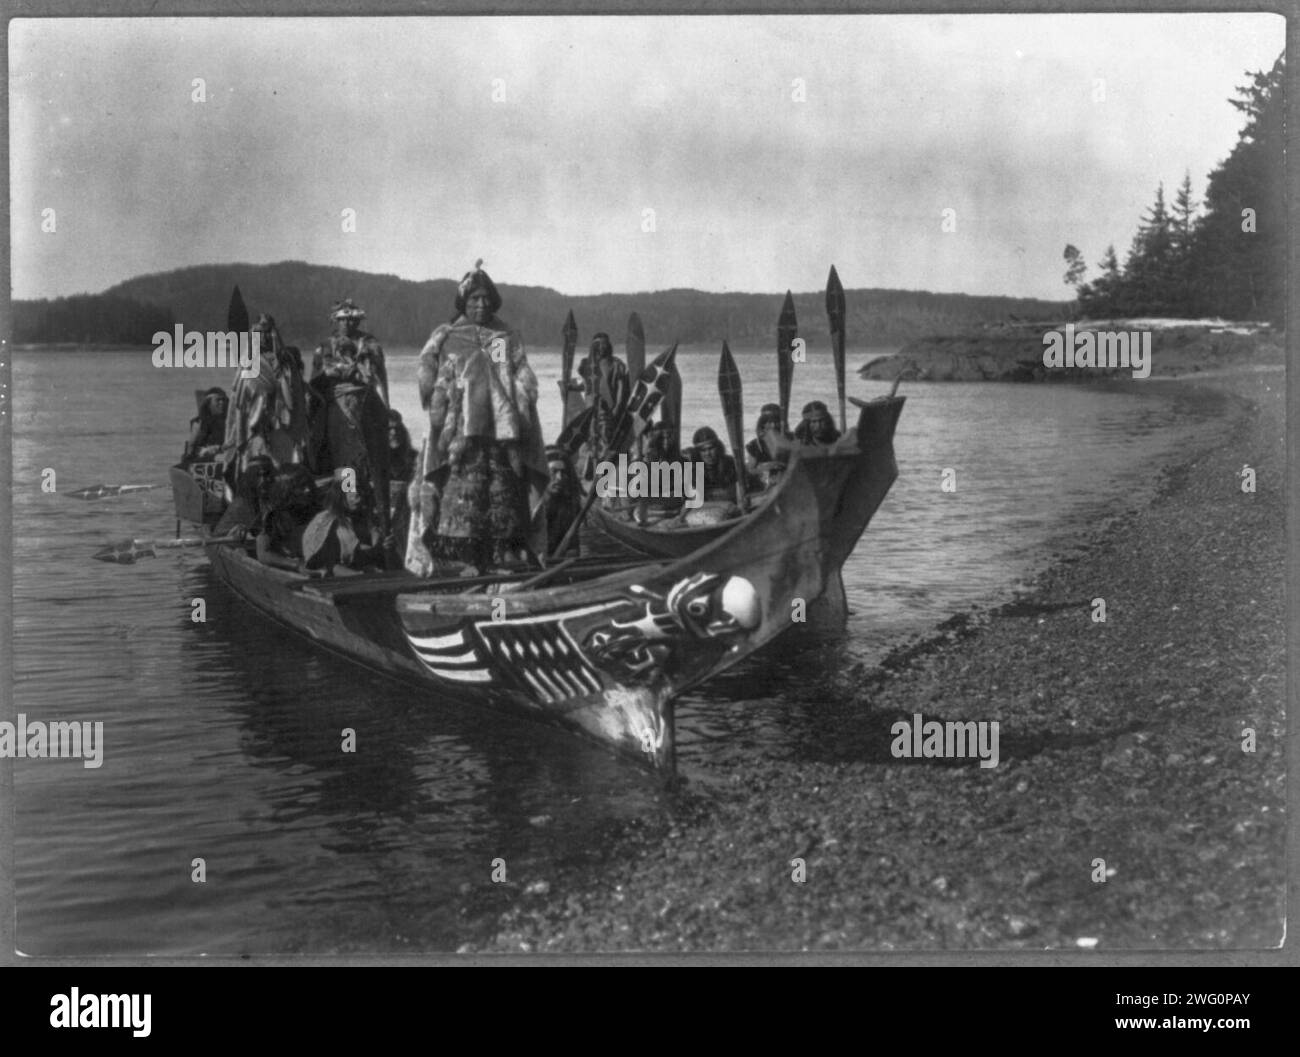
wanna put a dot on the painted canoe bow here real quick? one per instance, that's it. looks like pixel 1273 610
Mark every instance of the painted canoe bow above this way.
pixel 601 653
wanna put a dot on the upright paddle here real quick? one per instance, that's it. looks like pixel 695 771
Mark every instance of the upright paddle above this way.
pixel 835 309
pixel 787 329
pixel 672 414
pixel 733 410
pixel 570 333
pixel 635 346
pixel 646 395
pixel 237 314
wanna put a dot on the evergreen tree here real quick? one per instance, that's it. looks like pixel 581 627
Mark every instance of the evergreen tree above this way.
pixel 1240 246
pixel 1182 236
pixel 1075 269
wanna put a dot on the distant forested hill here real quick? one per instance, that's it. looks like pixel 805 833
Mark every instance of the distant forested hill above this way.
pixel 402 312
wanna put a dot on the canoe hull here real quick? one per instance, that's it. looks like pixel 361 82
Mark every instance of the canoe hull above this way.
pixel 603 655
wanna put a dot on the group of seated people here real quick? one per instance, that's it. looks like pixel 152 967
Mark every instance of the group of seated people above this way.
pixel 312 484
pixel 315 469
pixel 765 457
pixel 327 526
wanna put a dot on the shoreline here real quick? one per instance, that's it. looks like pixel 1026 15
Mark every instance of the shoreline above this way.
pixel 1120 741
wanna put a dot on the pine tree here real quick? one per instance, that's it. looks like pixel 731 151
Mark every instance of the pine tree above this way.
pixel 1075 269
pixel 1240 245
pixel 1182 231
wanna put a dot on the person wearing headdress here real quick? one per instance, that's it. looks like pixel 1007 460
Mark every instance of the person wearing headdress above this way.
pixel 606 387
pixel 771 445
pixel 817 427
pixel 719 469
pixel 349 421
pixel 351 354
pixel 268 412
pixel 477 497
pixel 208 429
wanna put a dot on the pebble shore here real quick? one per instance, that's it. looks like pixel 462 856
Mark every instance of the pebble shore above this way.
pixel 1125 812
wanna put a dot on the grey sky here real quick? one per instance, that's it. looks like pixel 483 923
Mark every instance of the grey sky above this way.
pixel 995 117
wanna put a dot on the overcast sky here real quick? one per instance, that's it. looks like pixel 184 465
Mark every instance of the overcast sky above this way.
pixel 1036 129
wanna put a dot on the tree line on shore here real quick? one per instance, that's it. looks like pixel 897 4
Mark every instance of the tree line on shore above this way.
pixel 404 312
pixel 1223 257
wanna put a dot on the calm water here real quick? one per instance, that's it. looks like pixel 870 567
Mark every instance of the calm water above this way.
pixel 222 739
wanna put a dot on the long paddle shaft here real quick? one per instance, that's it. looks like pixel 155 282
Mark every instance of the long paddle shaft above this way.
pixel 733 410
pixel 570 333
pixel 835 309
pixel 635 352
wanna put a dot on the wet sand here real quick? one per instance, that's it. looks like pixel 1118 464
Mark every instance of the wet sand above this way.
pixel 1119 741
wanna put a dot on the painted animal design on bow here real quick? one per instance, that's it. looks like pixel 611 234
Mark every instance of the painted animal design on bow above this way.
pixel 703 606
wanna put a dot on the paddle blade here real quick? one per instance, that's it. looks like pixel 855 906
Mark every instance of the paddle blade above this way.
pixel 652 386
pixel 729 388
pixel 733 409
pixel 635 346
pixel 124 553
pixel 237 313
pixel 835 310
pixel 570 336
pixel 672 412
pixel 787 329
pixel 835 301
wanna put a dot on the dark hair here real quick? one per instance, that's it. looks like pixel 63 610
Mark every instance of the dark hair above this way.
pixel 403 434
pixel 336 496
pixel 477 280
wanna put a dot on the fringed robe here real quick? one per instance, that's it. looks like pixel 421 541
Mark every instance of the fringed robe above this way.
pixel 482 471
pixel 268 413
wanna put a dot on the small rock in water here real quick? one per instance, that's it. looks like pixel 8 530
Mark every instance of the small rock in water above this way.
pixel 537 888
pixel 539 820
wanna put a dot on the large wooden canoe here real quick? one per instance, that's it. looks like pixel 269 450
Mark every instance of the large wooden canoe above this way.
pixel 601 650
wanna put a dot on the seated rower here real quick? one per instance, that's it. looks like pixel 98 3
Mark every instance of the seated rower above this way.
pixel 562 497
pixel 292 506
pixel 817 427
pixel 340 540
pixel 247 512
pixel 402 460
pixel 719 469
pixel 208 429
pixel 771 444
pixel 660 448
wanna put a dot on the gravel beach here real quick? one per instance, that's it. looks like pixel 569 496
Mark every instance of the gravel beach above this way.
pixel 1125 811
